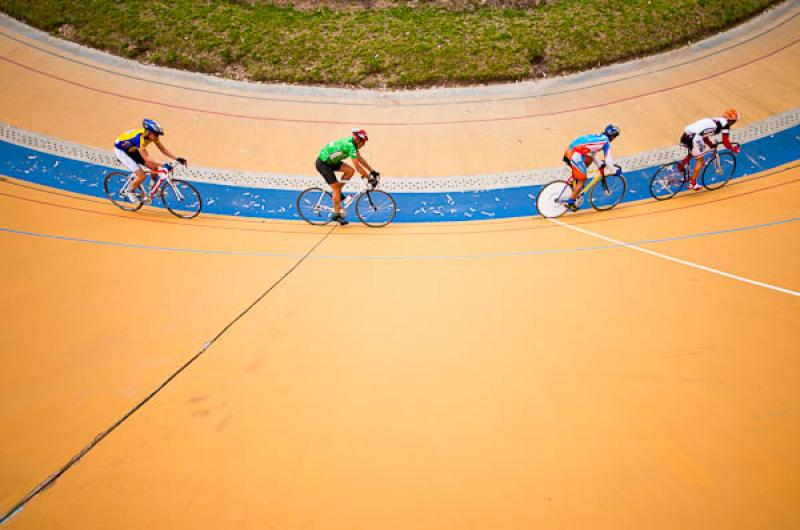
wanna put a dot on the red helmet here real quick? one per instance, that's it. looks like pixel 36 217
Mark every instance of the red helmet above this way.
pixel 360 134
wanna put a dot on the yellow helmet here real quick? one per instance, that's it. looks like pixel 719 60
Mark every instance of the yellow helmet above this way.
pixel 731 114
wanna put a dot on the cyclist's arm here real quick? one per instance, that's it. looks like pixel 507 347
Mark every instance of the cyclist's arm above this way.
pixel 362 166
pixel 149 162
pixel 726 140
pixel 163 149
pixel 607 167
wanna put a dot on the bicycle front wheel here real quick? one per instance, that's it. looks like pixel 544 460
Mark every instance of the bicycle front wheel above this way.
pixel 181 199
pixel 608 192
pixel 717 175
pixel 552 199
pixel 315 206
pixel 376 208
pixel 667 182
pixel 116 185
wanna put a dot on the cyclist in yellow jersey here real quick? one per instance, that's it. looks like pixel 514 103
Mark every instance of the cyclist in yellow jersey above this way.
pixel 130 150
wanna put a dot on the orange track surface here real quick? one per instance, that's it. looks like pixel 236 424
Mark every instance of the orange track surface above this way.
pixel 508 374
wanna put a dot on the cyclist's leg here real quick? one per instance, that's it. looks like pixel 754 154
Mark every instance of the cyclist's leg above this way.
pixel 592 183
pixel 136 156
pixel 686 141
pixel 347 173
pixel 328 172
pixel 699 149
pixel 131 164
pixel 579 170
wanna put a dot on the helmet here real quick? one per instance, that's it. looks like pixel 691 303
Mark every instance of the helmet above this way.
pixel 360 134
pixel 612 131
pixel 731 114
pixel 152 126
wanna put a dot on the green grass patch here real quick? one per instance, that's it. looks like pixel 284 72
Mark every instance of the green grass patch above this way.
pixel 395 47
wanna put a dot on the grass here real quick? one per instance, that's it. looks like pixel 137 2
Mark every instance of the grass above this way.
pixel 396 47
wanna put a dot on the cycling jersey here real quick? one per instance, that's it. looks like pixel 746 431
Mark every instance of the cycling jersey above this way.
pixel 697 136
pixel 708 126
pixel 338 150
pixel 583 151
pixel 131 141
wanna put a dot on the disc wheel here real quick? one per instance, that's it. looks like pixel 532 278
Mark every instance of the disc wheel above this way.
pixel 376 208
pixel 608 192
pixel 667 182
pixel 550 201
pixel 113 185
pixel 315 206
pixel 181 199
pixel 714 177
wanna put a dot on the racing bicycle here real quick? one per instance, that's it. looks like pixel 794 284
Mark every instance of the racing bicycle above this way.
pixel 605 192
pixel 374 207
pixel 718 168
pixel 178 196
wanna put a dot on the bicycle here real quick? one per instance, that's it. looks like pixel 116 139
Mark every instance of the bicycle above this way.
pixel 374 208
pixel 178 196
pixel 669 179
pixel 604 193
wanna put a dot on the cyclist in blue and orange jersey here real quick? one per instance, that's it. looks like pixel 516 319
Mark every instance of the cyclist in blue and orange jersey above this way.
pixel 130 150
pixel 698 138
pixel 583 151
pixel 331 159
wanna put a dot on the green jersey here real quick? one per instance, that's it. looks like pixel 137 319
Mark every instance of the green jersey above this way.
pixel 338 150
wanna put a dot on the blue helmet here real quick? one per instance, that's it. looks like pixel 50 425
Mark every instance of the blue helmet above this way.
pixel 612 131
pixel 152 126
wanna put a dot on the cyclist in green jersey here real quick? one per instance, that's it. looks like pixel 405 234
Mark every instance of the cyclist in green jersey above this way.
pixel 331 159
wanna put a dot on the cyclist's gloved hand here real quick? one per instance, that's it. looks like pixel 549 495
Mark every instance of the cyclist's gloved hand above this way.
pixel 181 161
pixel 373 178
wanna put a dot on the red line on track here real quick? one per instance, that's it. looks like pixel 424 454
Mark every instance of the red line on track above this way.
pixel 400 124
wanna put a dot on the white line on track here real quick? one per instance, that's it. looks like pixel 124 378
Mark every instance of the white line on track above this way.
pixel 676 260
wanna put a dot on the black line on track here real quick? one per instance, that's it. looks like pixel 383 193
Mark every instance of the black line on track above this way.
pixel 49 481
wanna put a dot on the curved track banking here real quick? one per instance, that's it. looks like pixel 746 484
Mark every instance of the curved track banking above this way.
pixel 517 373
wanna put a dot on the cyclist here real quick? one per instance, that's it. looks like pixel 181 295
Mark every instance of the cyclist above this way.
pixel 331 159
pixel 130 150
pixel 584 151
pixel 698 137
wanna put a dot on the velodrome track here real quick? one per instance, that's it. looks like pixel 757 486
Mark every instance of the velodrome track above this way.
pixel 234 372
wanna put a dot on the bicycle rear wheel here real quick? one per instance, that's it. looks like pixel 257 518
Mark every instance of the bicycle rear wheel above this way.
pixel 551 201
pixel 315 206
pixel 608 192
pixel 715 177
pixel 114 185
pixel 181 199
pixel 376 208
pixel 667 182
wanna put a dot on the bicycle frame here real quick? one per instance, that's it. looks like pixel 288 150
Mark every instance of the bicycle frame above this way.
pixel 346 201
pixel 165 178
pixel 596 178
pixel 711 156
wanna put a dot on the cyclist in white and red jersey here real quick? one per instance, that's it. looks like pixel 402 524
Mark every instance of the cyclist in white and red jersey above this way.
pixel 130 150
pixel 698 138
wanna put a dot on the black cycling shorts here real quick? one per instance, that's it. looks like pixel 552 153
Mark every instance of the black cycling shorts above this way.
pixel 136 156
pixel 686 140
pixel 327 170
